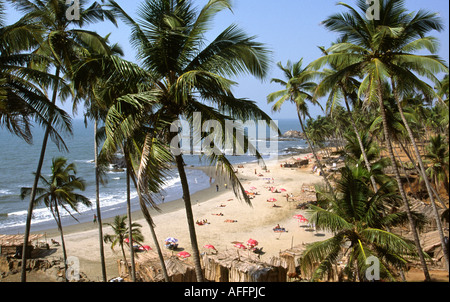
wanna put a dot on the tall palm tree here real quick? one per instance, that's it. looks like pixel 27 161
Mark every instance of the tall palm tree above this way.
pixel 298 89
pixel 22 99
pixel 59 45
pixel 343 85
pixel 382 50
pixel 125 78
pixel 59 191
pixel 356 218
pixel 190 77
pixel 122 232
pixel 90 73
pixel 437 156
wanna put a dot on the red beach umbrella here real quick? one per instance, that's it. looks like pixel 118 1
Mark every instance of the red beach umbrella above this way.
pixel 252 242
pixel 299 216
pixel 145 248
pixel 240 246
pixel 183 254
pixel 283 190
pixel 209 246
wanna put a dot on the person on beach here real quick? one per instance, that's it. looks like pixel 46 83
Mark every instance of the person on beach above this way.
pixel 217 188
pixel 95 218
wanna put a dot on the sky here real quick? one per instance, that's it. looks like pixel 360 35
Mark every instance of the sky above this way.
pixel 291 29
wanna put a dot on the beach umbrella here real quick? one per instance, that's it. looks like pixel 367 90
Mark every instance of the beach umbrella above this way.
pixel 183 254
pixel 271 199
pixel 240 246
pixel 171 239
pixel 209 246
pixel 283 190
pixel 252 242
pixel 299 216
pixel 145 248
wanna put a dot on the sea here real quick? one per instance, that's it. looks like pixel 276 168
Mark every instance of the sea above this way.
pixel 18 161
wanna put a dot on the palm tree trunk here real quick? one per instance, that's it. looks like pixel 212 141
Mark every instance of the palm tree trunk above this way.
pixel 315 155
pixel 35 183
pixel 361 146
pixel 190 218
pixel 424 175
pixel 150 223
pixel 97 202
pixel 418 171
pixel 63 244
pixel 399 184
pixel 130 229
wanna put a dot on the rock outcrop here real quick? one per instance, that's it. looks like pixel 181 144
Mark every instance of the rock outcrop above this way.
pixel 293 134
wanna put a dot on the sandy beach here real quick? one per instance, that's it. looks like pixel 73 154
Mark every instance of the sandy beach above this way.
pixel 256 221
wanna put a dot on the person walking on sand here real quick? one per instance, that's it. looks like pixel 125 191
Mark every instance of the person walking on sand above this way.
pixel 95 218
pixel 217 188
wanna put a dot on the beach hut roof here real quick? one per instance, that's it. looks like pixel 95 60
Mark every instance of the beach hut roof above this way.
pixel 17 240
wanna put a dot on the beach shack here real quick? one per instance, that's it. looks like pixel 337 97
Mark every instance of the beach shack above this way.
pixel 230 266
pixel 148 268
pixel 12 245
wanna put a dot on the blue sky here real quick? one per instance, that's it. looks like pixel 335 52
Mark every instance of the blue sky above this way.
pixel 290 29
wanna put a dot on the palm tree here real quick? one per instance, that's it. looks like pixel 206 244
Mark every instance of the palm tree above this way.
pixel 190 76
pixel 343 85
pixel 89 76
pixel 298 89
pixel 381 49
pixel 59 192
pixel 59 46
pixel 120 79
pixel 356 218
pixel 122 233
pixel 22 100
pixel 438 159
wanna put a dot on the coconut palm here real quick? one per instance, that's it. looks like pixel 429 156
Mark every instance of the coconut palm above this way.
pixel 190 77
pixel 383 51
pixel 437 156
pixel 122 233
pixel 342 85
pixel 89 73
pixel 298 89
pixel 59 191
pixel 356 218
pixel 60 47
pixel 22 99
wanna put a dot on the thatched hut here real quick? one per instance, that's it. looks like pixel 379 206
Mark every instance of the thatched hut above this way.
pixel 148 268
pixel 12 245
pixel 289 259
pixel 230 266
pixel 431 243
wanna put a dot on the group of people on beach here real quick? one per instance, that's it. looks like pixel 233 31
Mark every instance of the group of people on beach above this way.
pixel 202 222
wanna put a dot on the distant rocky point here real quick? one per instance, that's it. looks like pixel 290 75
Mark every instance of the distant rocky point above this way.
pixel 293 134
